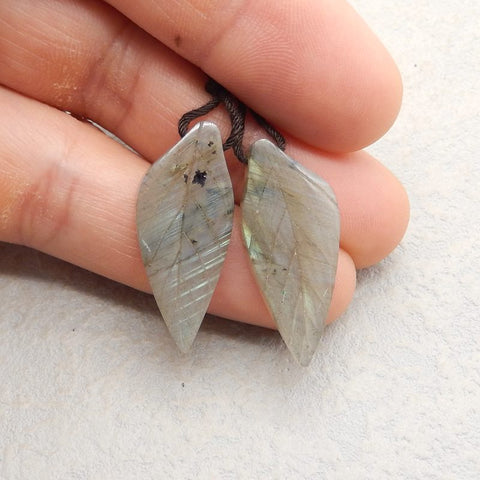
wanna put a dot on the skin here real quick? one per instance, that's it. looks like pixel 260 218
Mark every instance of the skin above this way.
pixel 311 67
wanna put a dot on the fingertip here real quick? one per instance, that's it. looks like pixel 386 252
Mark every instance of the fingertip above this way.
pixel 356 94
pixel 375 213
pixel 378 104
pixel 389 225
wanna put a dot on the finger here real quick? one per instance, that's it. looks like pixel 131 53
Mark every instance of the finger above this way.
pixel 315 70
pixel 83 56
pixel 70 191
pixel 315 58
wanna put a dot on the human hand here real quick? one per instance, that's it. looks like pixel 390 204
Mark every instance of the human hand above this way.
pixel 313 69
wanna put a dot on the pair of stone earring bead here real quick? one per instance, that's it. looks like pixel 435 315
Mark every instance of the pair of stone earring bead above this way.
pixel 290 226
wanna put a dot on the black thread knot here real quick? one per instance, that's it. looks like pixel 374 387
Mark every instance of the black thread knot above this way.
pixel 237 112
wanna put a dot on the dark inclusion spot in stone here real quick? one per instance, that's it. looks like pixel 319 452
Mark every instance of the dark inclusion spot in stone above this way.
pixel 210 143
pixel 185 177
pixel 200 178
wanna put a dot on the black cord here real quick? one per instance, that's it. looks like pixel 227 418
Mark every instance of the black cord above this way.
pixel 237 112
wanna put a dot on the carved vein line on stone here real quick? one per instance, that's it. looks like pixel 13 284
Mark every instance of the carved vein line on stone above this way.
pixel 165 236
pixel 277 233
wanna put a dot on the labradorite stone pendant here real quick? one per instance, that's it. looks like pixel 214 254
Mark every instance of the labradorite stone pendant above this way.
pixel 291 229
pixel 184 222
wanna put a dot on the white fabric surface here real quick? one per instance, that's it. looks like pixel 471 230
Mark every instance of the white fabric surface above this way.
pixel 92 387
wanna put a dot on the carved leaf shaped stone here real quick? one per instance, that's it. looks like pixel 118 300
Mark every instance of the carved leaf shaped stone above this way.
pixel 184 221
pixel 291 230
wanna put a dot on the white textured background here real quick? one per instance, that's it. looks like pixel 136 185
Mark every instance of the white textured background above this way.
pixel 91 386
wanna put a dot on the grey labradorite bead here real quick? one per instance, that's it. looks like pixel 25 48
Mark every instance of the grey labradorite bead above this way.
pixel 291 230
pixel 184 221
